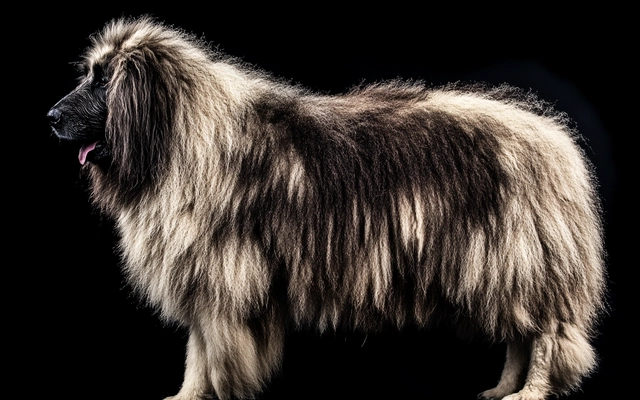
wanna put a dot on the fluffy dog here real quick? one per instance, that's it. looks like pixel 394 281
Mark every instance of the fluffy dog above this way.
pixel 246 205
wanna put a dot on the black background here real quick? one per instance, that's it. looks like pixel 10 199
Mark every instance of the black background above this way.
pixel 78 333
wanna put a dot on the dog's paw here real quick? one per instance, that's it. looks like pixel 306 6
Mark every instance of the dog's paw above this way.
pixel 525 395
pixel 181 396
pixel 495 394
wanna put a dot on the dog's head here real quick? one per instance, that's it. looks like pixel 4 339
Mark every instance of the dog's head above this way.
pixel 121 114
pixel 81 116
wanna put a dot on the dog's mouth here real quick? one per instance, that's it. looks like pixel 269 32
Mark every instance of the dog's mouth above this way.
pixel 85 150
pixel 93 152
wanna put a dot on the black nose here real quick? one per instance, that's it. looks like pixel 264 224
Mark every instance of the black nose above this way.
pixel 54 116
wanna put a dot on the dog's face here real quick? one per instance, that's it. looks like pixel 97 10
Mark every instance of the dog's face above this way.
pixel 121 115
pixel 80 117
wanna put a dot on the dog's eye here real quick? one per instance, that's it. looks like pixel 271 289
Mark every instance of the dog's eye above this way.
pixel 100 81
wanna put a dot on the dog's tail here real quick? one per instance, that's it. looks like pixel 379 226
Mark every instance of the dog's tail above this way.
pixel 572 357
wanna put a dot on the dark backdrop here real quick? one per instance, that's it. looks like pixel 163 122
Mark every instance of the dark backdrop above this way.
pixel 77 332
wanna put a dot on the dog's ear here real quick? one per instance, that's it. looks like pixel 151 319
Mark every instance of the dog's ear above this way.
pixel 140 119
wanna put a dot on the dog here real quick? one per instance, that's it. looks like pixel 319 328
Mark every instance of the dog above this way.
pixel 246 206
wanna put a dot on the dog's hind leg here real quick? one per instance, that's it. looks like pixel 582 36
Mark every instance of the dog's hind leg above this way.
pixel 537 383
pixel 513 373
pixel 558 360
pixel 196 384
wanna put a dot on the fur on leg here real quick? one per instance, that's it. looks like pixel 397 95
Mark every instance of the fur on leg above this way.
pixel 196 384
pixel 514 371
pixel 557 362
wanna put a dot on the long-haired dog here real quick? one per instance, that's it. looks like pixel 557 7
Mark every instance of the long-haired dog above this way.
pixel 246 205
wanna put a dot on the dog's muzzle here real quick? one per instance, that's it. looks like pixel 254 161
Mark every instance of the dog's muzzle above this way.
pixel 91 149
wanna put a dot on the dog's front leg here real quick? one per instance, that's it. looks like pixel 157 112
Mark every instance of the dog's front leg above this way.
pixel 243 354
pixel 230 358
pixel 197 383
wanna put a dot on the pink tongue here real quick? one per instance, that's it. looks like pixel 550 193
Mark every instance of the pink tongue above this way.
pixel 84 150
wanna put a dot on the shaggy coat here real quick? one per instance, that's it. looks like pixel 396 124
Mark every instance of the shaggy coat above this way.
pixel 246 205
